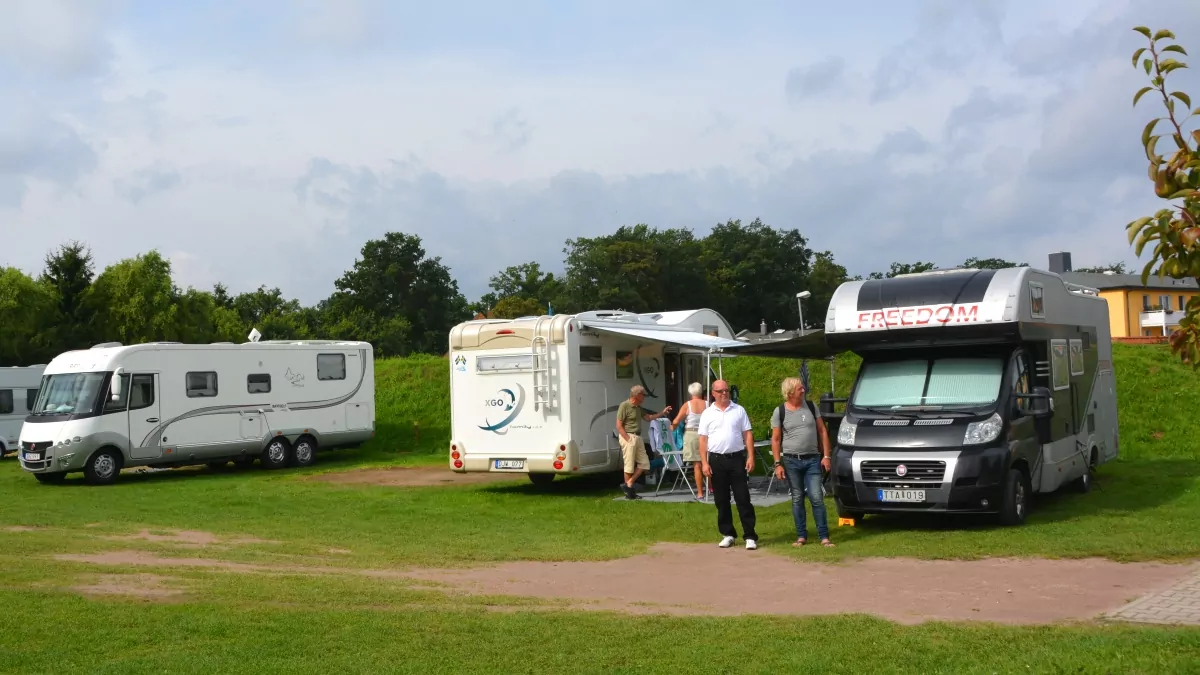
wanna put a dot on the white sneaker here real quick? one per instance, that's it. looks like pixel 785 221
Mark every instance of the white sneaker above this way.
pixel 726 542
pixel 751 544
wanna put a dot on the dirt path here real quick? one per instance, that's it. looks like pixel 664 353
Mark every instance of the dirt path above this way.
pixel 413 476
pixel 681 579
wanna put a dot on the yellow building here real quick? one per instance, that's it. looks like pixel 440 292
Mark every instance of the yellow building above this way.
pixel 1134 310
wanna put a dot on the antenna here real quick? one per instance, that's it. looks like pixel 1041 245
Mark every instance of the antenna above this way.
pixel 254 335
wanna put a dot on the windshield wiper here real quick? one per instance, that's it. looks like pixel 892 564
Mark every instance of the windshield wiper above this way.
pixel 888 411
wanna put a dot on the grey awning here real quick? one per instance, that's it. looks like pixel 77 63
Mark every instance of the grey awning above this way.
pixel 676 337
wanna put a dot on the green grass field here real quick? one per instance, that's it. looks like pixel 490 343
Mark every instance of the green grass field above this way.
pixel 1143 508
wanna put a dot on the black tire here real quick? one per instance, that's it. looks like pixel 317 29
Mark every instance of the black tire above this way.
pixel 541 479
pixel 1015 508
pixel 1083 484
pixel 102 467
pixel 275 454
pixel 50 478
pixel 304 453
pixel 844 512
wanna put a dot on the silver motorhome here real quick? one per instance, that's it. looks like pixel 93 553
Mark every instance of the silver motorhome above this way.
pixel 977 388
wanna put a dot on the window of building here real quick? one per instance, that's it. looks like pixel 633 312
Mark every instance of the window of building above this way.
pixel 201 384
pixel 1145 303
pixel 6 401
pixel 1165 302
pixel 1182 302
pixel 590 354
pixel 331 366
pixel 258 383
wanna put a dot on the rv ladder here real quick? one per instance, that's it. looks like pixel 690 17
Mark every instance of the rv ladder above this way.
pixel 541 365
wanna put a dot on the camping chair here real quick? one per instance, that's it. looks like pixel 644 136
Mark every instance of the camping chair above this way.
pixel 672 461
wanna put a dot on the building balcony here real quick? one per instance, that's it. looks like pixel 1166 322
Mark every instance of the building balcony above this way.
pixel 1165 319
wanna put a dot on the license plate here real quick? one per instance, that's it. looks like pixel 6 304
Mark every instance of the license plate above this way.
pixel 33 457
pixel 510 464
pixel 901 495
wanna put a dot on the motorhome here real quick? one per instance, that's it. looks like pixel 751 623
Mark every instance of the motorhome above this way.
pixel 112 407
pixel 18 389
pixel 539 395
pixel 977 388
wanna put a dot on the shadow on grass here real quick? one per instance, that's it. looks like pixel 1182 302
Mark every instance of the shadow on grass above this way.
pixel 1122 488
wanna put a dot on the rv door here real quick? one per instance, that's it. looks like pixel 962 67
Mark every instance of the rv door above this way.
pixel 144 414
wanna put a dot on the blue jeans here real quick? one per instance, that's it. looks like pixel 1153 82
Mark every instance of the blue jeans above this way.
pixel 804 475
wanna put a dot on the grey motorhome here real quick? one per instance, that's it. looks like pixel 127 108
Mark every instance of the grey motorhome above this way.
pixel 977 388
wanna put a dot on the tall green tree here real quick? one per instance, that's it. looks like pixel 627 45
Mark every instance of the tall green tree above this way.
pixel 824 279
pixel 395 280
pixel 135 300
pixel 1174 230
pixel 27 319
pixel 897 269
pixel 754 272
pixel 69 273
pixel 637 269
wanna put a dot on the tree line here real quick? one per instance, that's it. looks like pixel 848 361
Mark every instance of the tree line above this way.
pixel 402 300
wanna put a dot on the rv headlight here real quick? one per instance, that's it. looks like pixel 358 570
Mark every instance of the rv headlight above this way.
pixel 846 431
pixel 983 432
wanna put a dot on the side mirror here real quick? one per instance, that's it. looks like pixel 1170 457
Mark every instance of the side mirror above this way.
pixel 1041 402
pixel 733 393
pixel 116 383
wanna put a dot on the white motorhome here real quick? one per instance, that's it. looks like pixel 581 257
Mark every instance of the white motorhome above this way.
pixel 977 388
pixel 539 395
pixel 162 404
pixel 18 389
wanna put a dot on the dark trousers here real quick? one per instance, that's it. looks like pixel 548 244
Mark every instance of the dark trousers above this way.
pixel 729 473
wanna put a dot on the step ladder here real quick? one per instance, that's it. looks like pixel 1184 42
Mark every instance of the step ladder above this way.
pixel 542 388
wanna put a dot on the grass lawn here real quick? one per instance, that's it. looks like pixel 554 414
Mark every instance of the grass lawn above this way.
pixel 1144 507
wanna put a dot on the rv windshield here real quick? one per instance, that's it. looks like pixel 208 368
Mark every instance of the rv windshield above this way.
pixel 937 383
pixel 69 394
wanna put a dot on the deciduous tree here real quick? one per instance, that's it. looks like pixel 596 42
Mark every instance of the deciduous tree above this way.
pixel 1174 230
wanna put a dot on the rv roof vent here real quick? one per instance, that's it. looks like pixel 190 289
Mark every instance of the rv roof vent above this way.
pixel 106 345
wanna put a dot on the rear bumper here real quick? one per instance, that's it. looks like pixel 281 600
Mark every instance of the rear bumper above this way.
pixel 566 455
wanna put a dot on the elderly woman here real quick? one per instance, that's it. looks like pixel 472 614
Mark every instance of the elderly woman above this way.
pixel 691 437
pixel 798 434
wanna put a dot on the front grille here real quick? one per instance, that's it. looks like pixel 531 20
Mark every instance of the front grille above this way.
pixel 36 447
pixel 916 471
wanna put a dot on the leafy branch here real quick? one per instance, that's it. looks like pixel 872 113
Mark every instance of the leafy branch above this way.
pixel 1174 230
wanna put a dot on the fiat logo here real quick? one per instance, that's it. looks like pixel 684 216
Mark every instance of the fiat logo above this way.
pixel 901 470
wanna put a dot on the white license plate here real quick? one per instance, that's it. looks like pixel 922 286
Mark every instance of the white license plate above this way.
pixel 33 457
pixel 901 495
pixel 510 464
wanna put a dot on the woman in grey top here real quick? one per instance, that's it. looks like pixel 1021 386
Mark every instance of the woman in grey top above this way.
pixel 798 434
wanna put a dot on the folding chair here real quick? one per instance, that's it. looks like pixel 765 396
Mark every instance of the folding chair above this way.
pixel 672 461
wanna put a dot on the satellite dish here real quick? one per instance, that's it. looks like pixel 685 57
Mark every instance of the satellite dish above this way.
pixel 254 335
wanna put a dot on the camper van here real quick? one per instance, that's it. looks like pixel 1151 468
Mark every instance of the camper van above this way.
pixel 977 389
pixel 18 389
pixel 539 395
pixel 112 407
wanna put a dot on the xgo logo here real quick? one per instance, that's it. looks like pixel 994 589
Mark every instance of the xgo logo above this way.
pixel 505 404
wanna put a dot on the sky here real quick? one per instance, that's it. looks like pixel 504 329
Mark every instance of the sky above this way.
pixel 264 143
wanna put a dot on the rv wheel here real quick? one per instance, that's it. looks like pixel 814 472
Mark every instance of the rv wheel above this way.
pixel 304 453
pixel 275 455
pixel 1083 484
pixel 1015 508
pixel 541 478
pixel 103 467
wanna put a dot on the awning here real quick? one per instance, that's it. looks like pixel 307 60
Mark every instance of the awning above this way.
pixel 675 337
pixel 809 346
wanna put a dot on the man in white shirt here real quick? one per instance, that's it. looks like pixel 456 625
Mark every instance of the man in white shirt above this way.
pixel 726 457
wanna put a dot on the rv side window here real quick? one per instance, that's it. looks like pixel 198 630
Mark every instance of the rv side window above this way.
pixel 6 401
pixel 201 384
pixel 1061 377
pixel 590 354
pixel 30 398
pixel 258 383
pixel 331 366
pixel 1021 385
pixel 141 391
pixel 1037 306
pixel 1076 357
